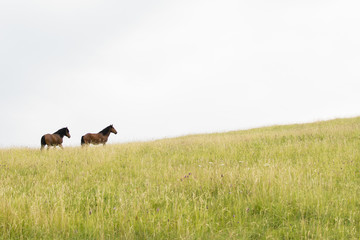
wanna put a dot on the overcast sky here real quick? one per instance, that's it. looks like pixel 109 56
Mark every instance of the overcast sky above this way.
pixel 158 69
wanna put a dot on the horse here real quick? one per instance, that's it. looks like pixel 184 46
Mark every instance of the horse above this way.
pixel 54 139
pixel 98 138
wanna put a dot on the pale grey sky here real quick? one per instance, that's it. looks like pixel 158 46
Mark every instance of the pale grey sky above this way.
pixel 165 68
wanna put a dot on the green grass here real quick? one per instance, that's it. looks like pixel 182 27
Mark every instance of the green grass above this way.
pixel 281 182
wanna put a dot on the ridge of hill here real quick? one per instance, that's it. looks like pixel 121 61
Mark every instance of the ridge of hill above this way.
pixel 295 181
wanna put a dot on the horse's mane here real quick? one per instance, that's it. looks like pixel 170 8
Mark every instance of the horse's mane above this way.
pixel 106 130
pixel 61 132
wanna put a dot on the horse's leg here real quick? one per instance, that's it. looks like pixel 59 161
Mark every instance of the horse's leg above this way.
pixel 42 147
pixel 48 147
pixel 61 146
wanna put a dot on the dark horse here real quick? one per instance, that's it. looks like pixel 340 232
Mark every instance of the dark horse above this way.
pixel 98 138
pixel 54 139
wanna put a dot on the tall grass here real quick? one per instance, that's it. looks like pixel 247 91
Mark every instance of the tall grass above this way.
pixel 281 182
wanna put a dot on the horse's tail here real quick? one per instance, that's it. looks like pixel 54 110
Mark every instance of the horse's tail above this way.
pixel 82 140
pixel 43 142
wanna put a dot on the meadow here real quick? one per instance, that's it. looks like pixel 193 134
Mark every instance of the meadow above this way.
pixel 297 181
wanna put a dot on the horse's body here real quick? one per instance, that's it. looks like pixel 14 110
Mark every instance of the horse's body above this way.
pixel 55 139
pixel 98 138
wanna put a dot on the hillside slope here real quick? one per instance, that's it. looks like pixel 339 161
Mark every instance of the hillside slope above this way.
pixel 291 182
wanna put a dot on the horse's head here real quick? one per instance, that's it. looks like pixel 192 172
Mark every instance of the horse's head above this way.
pixel 67 133
pixel 112 129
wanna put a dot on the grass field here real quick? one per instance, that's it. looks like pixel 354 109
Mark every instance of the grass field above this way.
pixel 281 182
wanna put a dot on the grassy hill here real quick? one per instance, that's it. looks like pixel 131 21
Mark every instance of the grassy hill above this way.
pixel 287 182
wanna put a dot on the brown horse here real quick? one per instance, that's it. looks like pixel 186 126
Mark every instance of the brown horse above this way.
pixel 98 138
pixel 54 139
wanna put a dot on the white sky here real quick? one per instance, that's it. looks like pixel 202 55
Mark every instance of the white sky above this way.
pixel 165 68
